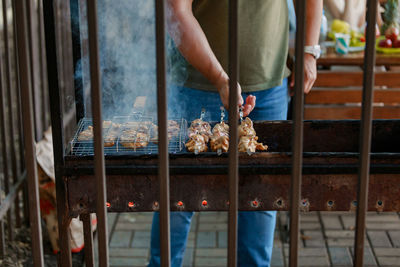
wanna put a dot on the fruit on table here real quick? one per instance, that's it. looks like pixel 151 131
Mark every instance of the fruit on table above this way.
pixel 396 44
pixel 356 38
pixel 385 43
pixel 392 33
pixel 340 26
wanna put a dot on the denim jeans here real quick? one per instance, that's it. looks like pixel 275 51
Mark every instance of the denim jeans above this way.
pixel 255 228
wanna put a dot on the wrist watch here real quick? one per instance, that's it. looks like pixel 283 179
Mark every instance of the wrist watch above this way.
pixel 314 50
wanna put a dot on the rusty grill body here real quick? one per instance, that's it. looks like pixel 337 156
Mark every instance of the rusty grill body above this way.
pixel 335 175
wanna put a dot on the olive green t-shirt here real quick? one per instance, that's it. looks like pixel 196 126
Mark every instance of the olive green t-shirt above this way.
pixel 263 41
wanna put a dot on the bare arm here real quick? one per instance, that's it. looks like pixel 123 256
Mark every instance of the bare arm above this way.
pixel 332 5
pixel 192 43
pixel 313 26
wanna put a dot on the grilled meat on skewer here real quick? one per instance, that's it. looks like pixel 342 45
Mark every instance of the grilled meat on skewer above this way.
pixel 196 144
pixel 219 141
pixel 248 138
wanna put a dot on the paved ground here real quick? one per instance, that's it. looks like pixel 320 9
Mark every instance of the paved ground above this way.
pixel 326 239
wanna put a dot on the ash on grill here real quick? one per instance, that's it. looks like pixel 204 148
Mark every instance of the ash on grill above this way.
pixel 136 134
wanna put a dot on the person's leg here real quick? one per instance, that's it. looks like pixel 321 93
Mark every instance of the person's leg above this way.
pixel 180 226
pixel 256 228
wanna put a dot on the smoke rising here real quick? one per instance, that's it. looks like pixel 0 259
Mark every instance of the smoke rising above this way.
pixel 127 44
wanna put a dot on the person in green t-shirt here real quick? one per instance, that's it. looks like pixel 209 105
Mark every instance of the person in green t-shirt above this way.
pixel 199 29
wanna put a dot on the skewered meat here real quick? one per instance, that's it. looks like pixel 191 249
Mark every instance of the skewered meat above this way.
pixel 201 127
pixel 220 139
pixel 197 144
pixel 248 138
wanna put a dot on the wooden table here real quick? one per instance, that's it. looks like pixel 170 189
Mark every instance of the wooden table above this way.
pixel 353 59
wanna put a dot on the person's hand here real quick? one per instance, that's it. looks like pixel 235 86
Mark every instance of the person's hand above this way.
pixel 310 74
pixel 224 94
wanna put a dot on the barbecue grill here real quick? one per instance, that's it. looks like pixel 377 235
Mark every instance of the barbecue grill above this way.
pixel 330 160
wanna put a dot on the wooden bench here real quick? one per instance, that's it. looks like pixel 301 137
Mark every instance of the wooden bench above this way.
pixel 337 95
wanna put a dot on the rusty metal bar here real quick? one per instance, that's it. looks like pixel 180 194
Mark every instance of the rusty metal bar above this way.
pixel 9 90
pixel 297 137
pixel 233 132
pixel 365 133
pixel 162 113
pixel 2 240
pixel 20 128
pixel 30 157
pixel 98 133
pixel 4 141
pixel 88 237
pixel 64 258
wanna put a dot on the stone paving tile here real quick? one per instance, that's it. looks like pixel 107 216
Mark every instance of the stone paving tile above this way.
pixel 340 256
pixel 379 239
pixel 332 222
pixel 128 261
pixel 129 252
pixel 309 217
pixel 210 262
pixel 339 233
pixel 188 257
pixel 310 226
pixel 395 238
pixel 342 242
pixel 391 252
pixel 111 218
pixel 277 257
pixel 222 239
pixel 211 252
pixel 389 261
pixel 312 261
pixel 133 226
pixel 383 217
pixel 383 225
pixel 313 238
pixel 120 239
pixel 309 252
pixel 206 239
pixel 213 227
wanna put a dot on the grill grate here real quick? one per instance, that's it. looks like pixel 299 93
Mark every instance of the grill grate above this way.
pixel 85 148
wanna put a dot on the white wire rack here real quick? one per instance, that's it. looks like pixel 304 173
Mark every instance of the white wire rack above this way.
pixel 85 148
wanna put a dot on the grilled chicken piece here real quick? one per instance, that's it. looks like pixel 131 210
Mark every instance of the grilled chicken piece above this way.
pixel 112 134
pixel 86 135
pixel 250 144
pixel 134 139
pixel 246 128
pixel 197 144
pixel 200 127
pixel 219 141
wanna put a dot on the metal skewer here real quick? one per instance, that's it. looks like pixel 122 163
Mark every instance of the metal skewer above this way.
pixel 222 114
pixel 203 113
pixel 241 113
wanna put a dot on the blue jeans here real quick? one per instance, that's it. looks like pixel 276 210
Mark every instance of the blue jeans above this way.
pixel 255 228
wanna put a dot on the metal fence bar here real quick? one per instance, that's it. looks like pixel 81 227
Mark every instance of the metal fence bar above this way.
pixel 30 157
pixel 64 258
pixel 297 141
pixel 88 238
pixel 365 133
pixel 4 146
pixel 98 134
pixel 19 111
pixel 9 90
pixel 233 133
pixel 162 113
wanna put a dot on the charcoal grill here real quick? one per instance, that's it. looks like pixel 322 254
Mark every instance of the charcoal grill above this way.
pixel 335 175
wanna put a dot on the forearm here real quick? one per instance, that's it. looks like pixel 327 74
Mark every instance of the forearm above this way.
pixel 313 21
pixel 192 43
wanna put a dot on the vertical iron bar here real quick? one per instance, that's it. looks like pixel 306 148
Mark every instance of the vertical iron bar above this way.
pixel 30 157
pixel 162 113
pixel 19 112
pixel 98 135
pixel 297 139
pixel 64 258
pixel 9 90
pixel 365 132
pixel 2 237
pixel 233 132
pixel 4 146
pixel 88 237
pixel 77 54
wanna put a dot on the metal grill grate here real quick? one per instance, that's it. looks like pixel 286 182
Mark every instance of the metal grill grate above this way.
pixel 85 148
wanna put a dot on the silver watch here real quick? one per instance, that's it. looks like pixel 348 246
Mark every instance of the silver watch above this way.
pixel 314 50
